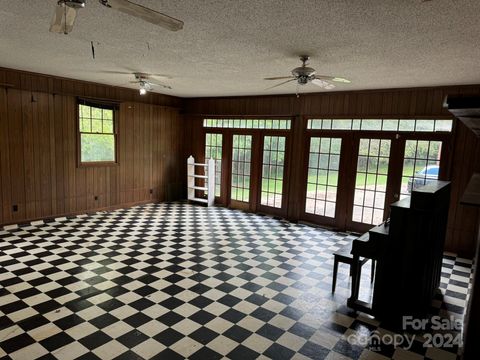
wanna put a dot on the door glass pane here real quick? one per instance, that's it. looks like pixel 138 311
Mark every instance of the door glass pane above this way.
pixel 421 164
pixel 272 170
pixel 241 161
pixel 322 178
pixel 213 149
pixel 371 181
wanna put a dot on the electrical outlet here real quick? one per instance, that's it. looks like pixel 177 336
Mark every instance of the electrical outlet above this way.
pixel 15 208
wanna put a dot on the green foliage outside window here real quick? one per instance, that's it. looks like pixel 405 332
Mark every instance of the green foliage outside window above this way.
pixel 97 147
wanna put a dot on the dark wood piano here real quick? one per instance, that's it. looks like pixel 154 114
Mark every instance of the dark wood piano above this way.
pixel 409 250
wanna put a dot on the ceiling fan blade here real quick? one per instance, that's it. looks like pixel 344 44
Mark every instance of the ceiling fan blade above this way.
pixel 333 78
pixel 144 13
pixel 323 84
pixel 324 77
pixel 278 78
pixel 161 85
pixel 341 80
pixel 63 19
pixel 56 24
pixel 163 76
pixel 115 72
pixel 284 82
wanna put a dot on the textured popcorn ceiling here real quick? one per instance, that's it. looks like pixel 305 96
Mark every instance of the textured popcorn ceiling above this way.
pixel 228 47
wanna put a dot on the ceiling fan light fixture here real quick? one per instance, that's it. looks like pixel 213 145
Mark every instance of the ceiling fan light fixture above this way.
pixel 304 75
pixel 143 88
pixel 303 80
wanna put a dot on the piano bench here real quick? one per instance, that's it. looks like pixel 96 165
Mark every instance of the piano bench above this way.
pixel 347 258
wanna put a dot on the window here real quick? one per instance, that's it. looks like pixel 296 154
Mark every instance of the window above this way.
pixel 97 135
pixel 213 149
pixel 416 125
pixel 275 124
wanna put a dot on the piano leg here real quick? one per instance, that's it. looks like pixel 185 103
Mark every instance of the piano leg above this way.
pixel 353 302
pixel 372 273
pixel 356 268
pixel 335 271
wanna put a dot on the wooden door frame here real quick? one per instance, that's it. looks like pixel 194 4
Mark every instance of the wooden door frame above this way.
pixel 352 175
pixel 294 198
pixel 230 203
pixel 254 204
pixel 338 222
pixel 348 168
pixel 395 167
pixel 222 198
pixel 286 180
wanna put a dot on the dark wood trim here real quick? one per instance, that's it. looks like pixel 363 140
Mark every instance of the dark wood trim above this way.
pixel 97 164
pixel 282 212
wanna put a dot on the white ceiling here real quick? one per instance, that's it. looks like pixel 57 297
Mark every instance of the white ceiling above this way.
pixel 227 47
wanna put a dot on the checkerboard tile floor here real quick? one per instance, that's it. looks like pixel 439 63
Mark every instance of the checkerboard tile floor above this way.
pixel 176 281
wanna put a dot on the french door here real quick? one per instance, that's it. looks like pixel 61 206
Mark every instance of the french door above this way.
pixel 271 193
pixel 373 171
pixel 351 178
pixel 324 190
pixel 241 171
pixel 254 170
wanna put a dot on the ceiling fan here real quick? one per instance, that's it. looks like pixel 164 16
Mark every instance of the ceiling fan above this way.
pixel 304 75
pixel 145 84
pixel 66 13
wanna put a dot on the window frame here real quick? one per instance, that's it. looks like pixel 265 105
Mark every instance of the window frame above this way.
pixel 101 105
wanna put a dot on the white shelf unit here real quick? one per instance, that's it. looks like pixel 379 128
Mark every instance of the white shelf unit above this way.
pixel 209 183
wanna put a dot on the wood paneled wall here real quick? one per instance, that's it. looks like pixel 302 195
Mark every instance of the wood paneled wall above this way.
pixel 395 103
pixel 38 149
pixel 38 146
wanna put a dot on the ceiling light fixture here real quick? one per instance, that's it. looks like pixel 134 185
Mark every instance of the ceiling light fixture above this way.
pixel 143 88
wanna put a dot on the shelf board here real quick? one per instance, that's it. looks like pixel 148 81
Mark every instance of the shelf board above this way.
pixel 199 176
pixel 199 164
pixel 205 201
pixel 471 196
pixel 198 188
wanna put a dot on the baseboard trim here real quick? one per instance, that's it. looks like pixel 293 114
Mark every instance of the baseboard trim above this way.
pixel 24 222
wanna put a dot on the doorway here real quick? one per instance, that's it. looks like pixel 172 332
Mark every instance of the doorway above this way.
pixel 352 176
